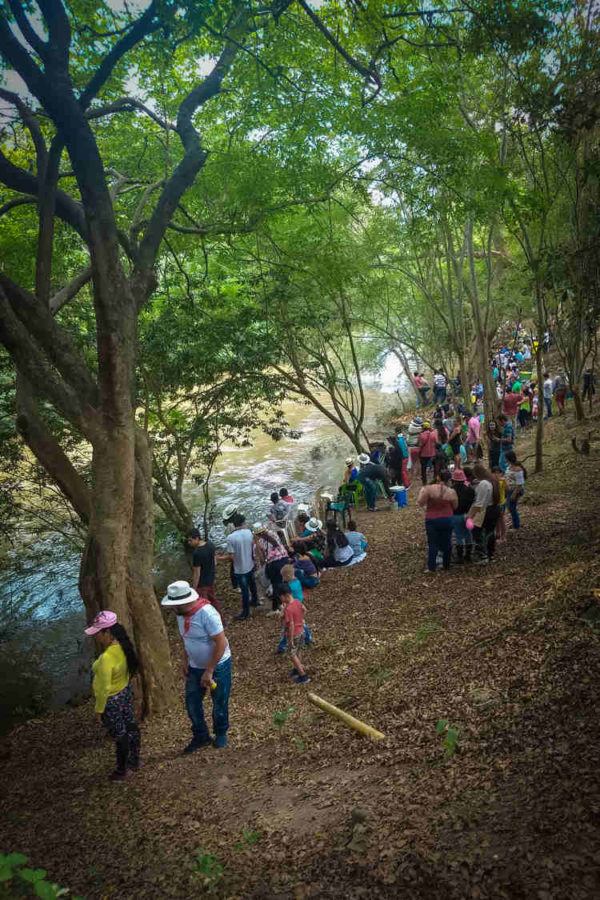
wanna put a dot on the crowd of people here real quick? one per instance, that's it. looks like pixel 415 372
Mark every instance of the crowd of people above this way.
pixel 281 559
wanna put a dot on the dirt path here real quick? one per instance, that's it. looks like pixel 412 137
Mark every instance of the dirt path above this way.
pixel 501 652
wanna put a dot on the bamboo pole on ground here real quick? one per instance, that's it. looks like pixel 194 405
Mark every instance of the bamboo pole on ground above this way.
pixel 346 718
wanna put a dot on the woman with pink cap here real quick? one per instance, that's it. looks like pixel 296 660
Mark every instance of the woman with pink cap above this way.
pixel 113 669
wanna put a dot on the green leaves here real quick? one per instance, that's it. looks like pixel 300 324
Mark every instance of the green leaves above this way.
pixel 11 867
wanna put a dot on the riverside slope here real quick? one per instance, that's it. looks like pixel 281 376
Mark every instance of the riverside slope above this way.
pixel 505 653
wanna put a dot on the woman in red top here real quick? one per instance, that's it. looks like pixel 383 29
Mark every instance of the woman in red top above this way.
pixel 439 502
pixel 427 441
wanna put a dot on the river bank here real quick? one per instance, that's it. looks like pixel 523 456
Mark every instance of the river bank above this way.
pixel 506 654
pixel 243 475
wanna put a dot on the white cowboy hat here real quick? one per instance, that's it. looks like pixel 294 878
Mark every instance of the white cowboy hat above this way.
pixel 364 458
pixel 179 593
pixel 230 510
pixel 313 524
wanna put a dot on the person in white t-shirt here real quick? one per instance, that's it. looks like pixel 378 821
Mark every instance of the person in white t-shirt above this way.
pixel 548 386
pixel 209 663
pixel 440 383
pixel 240 551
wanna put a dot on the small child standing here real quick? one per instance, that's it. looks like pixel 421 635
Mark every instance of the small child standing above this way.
pixel 288 575
pixel 501 526
pixel 293 619
pixel 294 586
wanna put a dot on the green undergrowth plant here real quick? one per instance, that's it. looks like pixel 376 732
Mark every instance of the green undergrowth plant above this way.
pixel 18 880
pixel 280 717
pixel 451 734
pixel 208 869
pixel 249 837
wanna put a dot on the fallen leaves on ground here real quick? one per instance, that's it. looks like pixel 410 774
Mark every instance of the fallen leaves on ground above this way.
pixel 507 655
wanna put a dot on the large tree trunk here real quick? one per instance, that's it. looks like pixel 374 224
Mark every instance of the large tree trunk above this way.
pixel 465 381
pixel 539 364
pixel 579 410
pixel 148 627
pixel 135 601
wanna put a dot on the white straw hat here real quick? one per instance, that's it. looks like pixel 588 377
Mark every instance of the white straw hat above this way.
pixel 179 593
pixel 364 458
pixel 229 511
pixel 349 461
pixel 258 527
pixel 313 524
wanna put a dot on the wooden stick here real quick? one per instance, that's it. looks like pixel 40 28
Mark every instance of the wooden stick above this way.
pixel 346 718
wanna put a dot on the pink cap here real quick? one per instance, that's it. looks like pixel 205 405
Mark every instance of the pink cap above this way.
pixel 104 619
pixel 469 524
pixel 459 475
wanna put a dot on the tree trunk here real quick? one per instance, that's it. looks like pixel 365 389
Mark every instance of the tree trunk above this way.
pixel 135 601
pixel 539 431
pixel 579 410
pixel 48 452
pixel 399 353
pixel 149 631
pixel 464 381
pixel 539 364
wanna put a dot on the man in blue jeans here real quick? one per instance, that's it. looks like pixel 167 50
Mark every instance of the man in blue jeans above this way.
pixel 240 551
pixel 209 663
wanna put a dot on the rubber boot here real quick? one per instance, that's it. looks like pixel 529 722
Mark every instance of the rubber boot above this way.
pixel 135 739
pixel 460 552
pixel 468 553
pixel 122 750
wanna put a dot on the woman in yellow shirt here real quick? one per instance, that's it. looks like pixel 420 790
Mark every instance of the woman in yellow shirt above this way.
pixel 114 705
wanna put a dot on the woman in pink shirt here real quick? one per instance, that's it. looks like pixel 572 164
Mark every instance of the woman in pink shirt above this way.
pixel 473 429
pixel 439 502
pixel 427 441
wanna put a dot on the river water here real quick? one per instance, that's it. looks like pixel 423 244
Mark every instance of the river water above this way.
pixel 245 476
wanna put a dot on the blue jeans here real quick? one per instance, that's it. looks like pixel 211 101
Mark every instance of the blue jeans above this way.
pixel 307 581
pixel 439 395
pixel 282 645
pixel 548 403
pixel 462 535
pixel 194 695
pixel 439 539
pixel 512 501
pixel 502 461
pixel 247 583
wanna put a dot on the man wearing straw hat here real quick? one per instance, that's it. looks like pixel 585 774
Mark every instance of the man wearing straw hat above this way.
pixel 209 663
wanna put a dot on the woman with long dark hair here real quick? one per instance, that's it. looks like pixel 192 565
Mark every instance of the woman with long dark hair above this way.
pixel 271 552
pixel 339 551
pixel 113 669
pixel 485 513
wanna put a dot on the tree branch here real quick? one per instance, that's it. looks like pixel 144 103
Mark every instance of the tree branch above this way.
pixel 69 290
pixel 145 25
pixel 23 182
pixel 195 156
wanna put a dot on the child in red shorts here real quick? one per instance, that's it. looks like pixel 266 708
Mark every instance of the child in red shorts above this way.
pixel 293 621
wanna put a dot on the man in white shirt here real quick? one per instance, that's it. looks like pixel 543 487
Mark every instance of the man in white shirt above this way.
pixel 240 550
pixel 439 387
pixel 209 663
